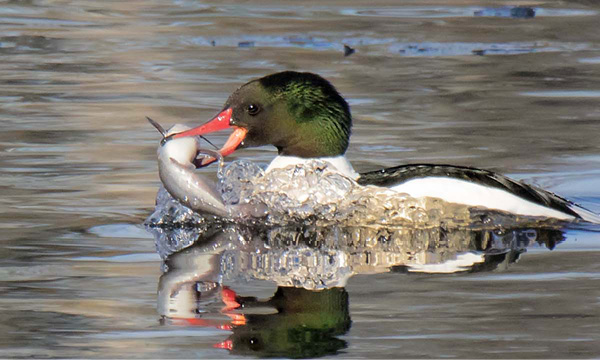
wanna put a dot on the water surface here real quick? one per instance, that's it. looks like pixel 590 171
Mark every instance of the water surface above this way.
pixel 458 82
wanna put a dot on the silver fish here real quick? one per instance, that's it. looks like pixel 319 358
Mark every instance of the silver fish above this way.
pixel 176 169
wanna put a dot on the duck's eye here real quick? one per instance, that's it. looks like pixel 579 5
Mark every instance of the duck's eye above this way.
pixel 253 109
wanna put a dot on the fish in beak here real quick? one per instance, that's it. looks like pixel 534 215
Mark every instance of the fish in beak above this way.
pixel 176 169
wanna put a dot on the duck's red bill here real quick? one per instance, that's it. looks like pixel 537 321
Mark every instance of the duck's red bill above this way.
pixel 219 122
pixel 234 140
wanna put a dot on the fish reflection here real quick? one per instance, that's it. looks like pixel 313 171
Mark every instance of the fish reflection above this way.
pixel 310 267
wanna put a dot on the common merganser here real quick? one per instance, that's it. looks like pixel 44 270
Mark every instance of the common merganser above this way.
pixel 305 117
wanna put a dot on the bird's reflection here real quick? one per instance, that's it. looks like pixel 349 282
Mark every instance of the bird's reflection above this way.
pixel 310 267
pixel 301 323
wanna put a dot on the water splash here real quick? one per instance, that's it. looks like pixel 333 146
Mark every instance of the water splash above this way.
pixel 315 192
pixel 235 179
pixel 307 203
pixel 170 212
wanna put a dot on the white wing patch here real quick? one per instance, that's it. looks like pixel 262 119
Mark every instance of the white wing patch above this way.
pixel 467 193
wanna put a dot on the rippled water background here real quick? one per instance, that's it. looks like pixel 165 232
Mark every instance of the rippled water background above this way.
pixel 429 82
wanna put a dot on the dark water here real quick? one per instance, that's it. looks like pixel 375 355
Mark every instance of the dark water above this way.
pixel 460 82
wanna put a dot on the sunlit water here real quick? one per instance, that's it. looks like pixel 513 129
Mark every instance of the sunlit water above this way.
pixel 465 83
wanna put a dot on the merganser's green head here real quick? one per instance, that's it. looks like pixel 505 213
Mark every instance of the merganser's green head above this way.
pixel 301 114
